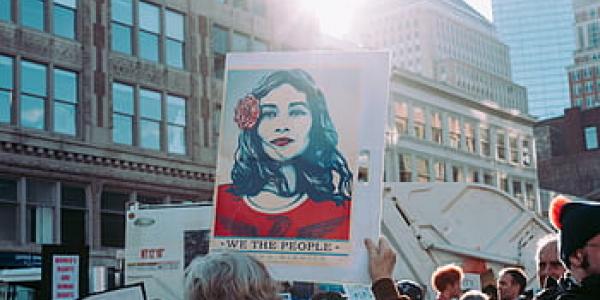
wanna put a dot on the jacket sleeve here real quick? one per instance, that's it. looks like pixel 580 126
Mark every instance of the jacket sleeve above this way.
pixel 385 289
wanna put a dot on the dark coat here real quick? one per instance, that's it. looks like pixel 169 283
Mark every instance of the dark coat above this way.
pixel 568 289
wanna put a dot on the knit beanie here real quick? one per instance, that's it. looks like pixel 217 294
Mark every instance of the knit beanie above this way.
pixel 577 221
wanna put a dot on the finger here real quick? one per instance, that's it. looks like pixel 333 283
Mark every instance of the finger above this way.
pixel 382 243
pixel 370 247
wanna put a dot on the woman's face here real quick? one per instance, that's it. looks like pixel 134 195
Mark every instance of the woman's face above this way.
pixel 285 123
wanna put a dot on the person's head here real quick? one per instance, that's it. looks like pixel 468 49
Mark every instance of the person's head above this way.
pixel 474 295
pixel 491 291
pixel 546 257
pixel 447 279
pixel 328 296
pixel 411 289
pixel 511 283
pixel 284 121
pixel 578 223
pixel 230 276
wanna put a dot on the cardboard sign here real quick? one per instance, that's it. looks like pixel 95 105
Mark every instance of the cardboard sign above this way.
pixel 65 277
pixel 300 162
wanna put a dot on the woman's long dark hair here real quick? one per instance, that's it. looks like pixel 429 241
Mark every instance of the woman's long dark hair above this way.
pixel 315 167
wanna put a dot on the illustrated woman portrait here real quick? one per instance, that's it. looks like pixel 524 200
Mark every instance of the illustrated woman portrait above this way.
pixel 288 177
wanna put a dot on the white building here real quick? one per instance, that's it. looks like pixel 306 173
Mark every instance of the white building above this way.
pixel 439 133
pixel 446 40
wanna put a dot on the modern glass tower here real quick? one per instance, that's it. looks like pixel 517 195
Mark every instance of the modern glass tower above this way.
pixel 541 39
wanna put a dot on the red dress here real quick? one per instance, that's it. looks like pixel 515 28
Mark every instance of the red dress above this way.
pixel 311 219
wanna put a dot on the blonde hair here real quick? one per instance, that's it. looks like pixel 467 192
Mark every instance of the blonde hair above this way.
pixel 474 295
pixel 228 275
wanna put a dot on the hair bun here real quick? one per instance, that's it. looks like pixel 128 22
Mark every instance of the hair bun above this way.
pixel 555 211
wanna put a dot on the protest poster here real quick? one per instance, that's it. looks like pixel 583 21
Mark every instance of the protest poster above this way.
pixel 127 292
pixel 300 161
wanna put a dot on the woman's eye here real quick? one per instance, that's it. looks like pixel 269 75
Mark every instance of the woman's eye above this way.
pixel 268 114
pixel 297 112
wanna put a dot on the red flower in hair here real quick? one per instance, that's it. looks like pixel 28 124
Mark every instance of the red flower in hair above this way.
pixel 555 211
pixel 247 112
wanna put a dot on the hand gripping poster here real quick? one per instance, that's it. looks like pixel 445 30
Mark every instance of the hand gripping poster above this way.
pixel 300 161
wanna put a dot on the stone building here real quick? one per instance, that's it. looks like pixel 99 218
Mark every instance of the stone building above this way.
pixel 438 133
pixel 110 101
pixel 568 153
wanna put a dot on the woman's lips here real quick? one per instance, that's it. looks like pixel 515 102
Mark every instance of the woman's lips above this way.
pixel 281 142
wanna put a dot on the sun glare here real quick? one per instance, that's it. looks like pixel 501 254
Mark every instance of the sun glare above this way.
pixel 335 16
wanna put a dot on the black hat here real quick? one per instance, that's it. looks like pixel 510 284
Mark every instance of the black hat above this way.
pixel 578 222
pixel 411 289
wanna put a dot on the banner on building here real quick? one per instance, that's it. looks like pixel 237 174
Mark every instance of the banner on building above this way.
pixel 300 164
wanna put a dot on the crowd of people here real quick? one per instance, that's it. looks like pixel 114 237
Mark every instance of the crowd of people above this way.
pixel 568 267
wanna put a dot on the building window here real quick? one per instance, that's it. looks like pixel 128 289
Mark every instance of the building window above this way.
pixel 514 149
pixel 504 183
pixel 64 18
pixel 40 197
pixel 156 43
pixel 121 25
pixel 422 170
pixel 589 101
pixel 401 117
pixel 150 117
pixel 470 137
pixel 146 129
pixel 591 138
pixel 419 123
pixel 577 89
pixel 32 14
pixel 530 195
pixel 123 113
pixel 473 175
pixel 240 42
pixel 33 95
pixel 500 146
pixel 454 132
pixel 5 10
pixel 436 128
pixel 33 99
pixel 149 18
pixel 65 102
pixel 176 124
pixel 405 168
pixel 440 171
pixel 457 174
pixel 112 219
pixel 175 38
pixel 578 102
pixel 6 88
pixel 73 217
pixel 219 47
pixel 517 192
pixel 526 153
pixel 488 178
pixel 241 4
pixel 589 86
pixel 8 210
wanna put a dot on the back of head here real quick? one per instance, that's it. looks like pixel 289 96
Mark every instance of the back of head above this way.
pixel 411 289
pixel 445 276
pixel 577 222
pixel 517 275
pixel 228 275
pixel 474 295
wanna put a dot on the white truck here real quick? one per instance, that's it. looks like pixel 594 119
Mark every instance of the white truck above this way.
pixel 160 241
pixel 429 224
